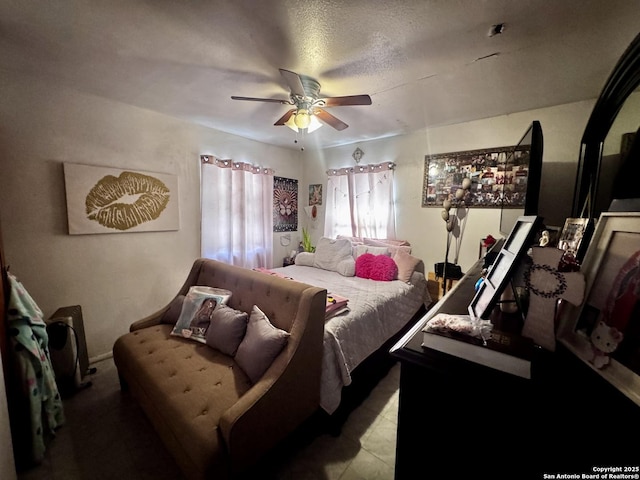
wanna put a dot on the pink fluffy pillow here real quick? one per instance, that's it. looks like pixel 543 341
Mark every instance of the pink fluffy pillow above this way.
pixel 376 267
pixel 363 265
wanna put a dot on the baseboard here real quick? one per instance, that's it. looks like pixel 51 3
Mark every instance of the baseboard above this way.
pixel 99 358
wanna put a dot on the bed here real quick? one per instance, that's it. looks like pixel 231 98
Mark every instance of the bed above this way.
pixel 375 311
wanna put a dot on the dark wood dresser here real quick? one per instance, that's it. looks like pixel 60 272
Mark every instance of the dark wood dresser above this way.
pixel 459 419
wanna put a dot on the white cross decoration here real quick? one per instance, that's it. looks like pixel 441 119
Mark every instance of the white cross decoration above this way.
pixel 546 285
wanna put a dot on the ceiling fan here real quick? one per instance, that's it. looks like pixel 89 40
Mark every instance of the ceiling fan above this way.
pixel 309 106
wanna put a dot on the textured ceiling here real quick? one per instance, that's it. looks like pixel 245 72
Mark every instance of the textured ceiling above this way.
pixel 424 63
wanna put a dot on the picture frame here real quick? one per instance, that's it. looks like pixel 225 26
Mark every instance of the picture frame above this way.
pixel 575 235
pixel 285 204
pixel 116 200
pixel 315 194
pixel 499 177
pixel 503 267
pixel 612 296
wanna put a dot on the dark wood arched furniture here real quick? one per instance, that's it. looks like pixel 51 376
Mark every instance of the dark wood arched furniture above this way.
pixel 4 299
pixel 623 80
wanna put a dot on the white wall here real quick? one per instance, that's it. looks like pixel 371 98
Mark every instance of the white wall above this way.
pixel 116 278
pixel 562 130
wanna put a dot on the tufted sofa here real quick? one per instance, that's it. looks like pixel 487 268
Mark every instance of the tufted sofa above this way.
pixel 211 417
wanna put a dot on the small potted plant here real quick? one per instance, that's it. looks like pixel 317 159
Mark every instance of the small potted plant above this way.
pixel 306 241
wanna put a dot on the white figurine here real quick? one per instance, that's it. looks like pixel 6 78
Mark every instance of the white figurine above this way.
pixel 544 239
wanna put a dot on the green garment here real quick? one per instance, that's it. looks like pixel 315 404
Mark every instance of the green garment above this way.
pixel 28 342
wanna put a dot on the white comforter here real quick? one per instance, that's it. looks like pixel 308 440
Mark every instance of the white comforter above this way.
pixel 377 310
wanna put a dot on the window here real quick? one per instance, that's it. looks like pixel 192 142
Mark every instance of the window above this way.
pixel 236 203
pixel 360 202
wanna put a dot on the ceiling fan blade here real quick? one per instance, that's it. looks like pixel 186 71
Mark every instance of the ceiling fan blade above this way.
pixel 348 100
pixel 326 117
pixel 253 99
pixel 283 119
pixel 294 82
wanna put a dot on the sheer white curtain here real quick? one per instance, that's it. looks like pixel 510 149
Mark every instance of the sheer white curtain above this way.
pixel 360 202
pixel 236 209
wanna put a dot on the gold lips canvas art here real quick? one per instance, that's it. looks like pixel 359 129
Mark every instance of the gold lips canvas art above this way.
pixel 112 200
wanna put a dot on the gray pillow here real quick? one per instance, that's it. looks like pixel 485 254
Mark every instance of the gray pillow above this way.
pixel 227 329
pixel 260 346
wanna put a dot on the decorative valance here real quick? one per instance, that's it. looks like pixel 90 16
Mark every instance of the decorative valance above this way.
pixel 228 163
pixel 334 172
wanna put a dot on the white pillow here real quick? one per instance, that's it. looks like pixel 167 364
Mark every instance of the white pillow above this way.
pixel 330 252
pixel 306 259
pixel 394 246
pixel 362 249
pixel 347 267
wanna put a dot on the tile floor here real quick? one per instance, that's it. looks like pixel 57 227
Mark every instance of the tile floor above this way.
pixel 107 436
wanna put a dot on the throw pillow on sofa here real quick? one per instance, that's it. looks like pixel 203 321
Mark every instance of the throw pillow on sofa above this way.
pixel 260 346
pixel 227 329
pixel 197 309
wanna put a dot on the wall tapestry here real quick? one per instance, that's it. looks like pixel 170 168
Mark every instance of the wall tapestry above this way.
pixel 113 200
pixel 498 177
pixel 285 204
pixel 315 194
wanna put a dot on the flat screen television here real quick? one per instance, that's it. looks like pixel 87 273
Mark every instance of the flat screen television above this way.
pixel 528 148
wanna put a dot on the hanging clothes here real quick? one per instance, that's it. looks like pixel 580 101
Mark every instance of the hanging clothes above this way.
pixel 28 344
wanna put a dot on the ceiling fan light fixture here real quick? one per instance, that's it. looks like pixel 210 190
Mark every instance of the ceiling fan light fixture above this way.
pixel 291 123
pixel 302 118
pixel 314 124
pixel 308 107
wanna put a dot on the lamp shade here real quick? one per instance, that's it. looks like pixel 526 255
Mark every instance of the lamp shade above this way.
pixel 291 123
pixel 302 118
pixel 314 124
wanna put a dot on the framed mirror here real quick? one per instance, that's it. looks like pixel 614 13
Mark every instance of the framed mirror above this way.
pixel 603 166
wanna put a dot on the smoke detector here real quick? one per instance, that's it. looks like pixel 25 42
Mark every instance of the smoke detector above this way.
pixel 496 29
